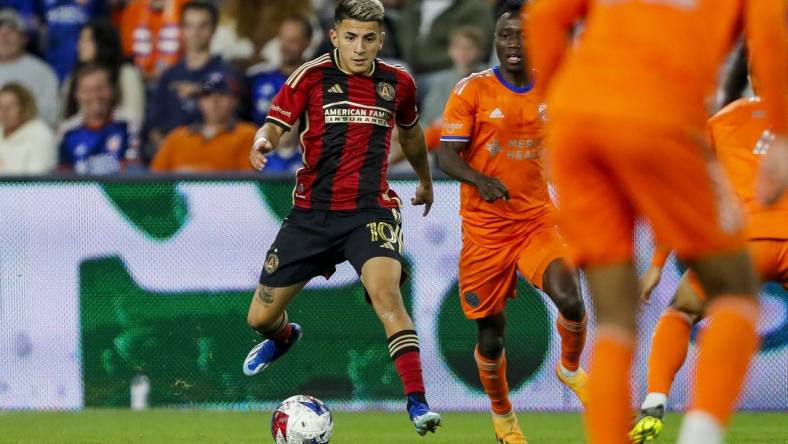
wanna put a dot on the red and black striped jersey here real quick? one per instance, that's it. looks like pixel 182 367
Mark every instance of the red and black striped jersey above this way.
pixel 345 131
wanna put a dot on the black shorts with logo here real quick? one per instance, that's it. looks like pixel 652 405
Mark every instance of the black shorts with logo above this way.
pixel 312 242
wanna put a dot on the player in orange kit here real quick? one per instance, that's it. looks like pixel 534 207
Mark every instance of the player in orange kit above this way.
pixel 626 139
pixel 740 138
pixel 491 141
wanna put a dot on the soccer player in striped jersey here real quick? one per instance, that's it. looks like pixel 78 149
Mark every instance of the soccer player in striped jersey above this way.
pixel 348 102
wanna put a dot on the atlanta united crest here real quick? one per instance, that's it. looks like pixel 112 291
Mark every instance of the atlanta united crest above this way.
pixel 271 263
pixel 386 91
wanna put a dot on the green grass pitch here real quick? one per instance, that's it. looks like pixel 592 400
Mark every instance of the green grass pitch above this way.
pixel 206 426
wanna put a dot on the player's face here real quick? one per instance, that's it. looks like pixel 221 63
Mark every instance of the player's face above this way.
pixel 94 94
pixel 197 29
pixel 509 43
pixel 358 43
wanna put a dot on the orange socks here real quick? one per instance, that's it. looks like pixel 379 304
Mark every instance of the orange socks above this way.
pixel 493 376
pixel 668 350
pixel 609 412
pixel 726 349
pixel 573 340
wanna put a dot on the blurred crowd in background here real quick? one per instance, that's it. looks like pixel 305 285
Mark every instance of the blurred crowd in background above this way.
pixel 102 87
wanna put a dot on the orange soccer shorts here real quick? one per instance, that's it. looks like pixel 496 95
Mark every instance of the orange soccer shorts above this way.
pixel 488 275
pixel 770 258
pixel 607 173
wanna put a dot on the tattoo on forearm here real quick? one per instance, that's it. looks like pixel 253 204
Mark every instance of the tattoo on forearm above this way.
pixel 265 295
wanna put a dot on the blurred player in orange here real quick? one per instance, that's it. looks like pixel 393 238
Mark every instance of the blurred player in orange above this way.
pixel 491 141
pixel 740 136
pixel 628 114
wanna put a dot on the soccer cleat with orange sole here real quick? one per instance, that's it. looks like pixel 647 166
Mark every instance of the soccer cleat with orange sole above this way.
pixel 507 429
pixel 577 383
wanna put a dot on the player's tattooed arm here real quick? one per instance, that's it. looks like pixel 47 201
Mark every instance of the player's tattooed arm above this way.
pixel 450 162
pixel 415 149
pixel 265 295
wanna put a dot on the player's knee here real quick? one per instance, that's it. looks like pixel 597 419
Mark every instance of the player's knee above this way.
pixel 571 307
pixel 262 321
pixel 490 346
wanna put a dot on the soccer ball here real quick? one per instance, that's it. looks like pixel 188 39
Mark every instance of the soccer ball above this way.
pixel 302 420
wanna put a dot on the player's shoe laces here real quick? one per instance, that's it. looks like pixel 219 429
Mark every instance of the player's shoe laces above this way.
pixel 420 414
pixel 268 351
pixel 507 429
pixel 577 383
pixel 648 425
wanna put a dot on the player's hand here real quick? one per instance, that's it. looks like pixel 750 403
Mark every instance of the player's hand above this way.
pixel 773 178
pixel 261 147
pixel 491 188
pixel 649 282
pixel 423 197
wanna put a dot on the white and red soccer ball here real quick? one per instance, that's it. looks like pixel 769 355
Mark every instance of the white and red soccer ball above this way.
pixel 302 420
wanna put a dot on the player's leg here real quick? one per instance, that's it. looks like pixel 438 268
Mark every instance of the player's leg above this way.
pixel 542 261
pixel 598 223
pixel 669 346
pixel 268 317
pixel 300 252
pixel 374 248
pixel 381 278
pixel 690 207
pixel 487 281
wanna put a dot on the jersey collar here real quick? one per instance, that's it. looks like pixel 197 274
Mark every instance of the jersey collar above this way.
pixel 513 88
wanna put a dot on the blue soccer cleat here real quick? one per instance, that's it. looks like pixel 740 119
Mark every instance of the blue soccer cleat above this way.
pixel 268 351
pixel 422 417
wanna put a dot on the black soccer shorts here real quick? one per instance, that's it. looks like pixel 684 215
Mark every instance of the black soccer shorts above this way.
pixel 312 242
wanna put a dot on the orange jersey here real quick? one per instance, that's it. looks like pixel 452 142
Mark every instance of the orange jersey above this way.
pixel 152 38
pixel 503 126
pixel 739 138
pixel 654 62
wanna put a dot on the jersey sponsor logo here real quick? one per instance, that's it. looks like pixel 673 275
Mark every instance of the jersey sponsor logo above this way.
pixel 494 147
pixel 350 112
pixel 281 111
pixel 386 91
pixel 497 114
pixel 336 89
pixel 451 127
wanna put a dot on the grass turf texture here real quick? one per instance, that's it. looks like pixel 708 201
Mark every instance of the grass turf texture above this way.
pixel 203 426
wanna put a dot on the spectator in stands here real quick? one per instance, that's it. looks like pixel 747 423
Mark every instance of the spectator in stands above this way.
pixel 63 20
pixel 150 35
pixel 28 11
pixel 465 51
pixel 98 139
pixel 27 144
pixel 99 42
pixel 424 28
pixel 264 80
pixel 17 66
pixel 218 142
pixel 175 100
pixel 248 26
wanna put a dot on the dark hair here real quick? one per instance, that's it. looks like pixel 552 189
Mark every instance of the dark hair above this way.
pixel 361 10
pixel 305 24
pixel 201 5
pixel 513 7
pixel 109 54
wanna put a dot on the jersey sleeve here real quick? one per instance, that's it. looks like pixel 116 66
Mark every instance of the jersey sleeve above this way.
pixel 766 39
pixel 548 23
pixel 289 103
pixel 459 113
pixel 407 112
